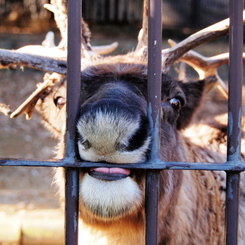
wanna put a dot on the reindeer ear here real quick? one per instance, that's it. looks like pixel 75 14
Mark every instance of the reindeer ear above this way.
pixel 194 91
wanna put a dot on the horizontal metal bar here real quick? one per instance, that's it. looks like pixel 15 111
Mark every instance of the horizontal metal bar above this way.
pixel 156 164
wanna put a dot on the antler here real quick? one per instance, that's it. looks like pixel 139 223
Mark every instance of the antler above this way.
pixel 5 109
pixel 206 66
pixel 28 105
pixel 59 9
pixel 169 56
pixel 50 50
pixel 11 58
pixel 143 34
pixel 33 56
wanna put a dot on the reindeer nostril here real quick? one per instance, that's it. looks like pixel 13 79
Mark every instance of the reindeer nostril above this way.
pixel 121 147
pixel 85 144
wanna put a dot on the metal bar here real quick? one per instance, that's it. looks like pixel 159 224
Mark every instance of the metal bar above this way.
pixel 235 166
pixel 73 99
pixel 154 108
pixel 71 206
pixel 234 119
pixel 154 71
pixel 235 80
pixel 151 205
pixel 232 204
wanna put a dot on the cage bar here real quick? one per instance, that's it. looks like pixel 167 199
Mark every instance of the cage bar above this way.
pixel 156 164
pixel 234 118
pixel 154 108
pixel 73 99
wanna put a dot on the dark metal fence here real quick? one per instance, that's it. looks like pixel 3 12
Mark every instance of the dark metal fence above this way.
pixel 233 166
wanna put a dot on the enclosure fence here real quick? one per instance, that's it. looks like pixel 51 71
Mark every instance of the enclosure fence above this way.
pixel 154 165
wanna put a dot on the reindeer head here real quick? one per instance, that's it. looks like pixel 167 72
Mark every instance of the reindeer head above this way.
pixel 113 127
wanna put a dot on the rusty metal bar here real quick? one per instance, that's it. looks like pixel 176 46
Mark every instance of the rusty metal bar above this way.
pixel 232 204
pixel 235 80
pixel 235 166
pixel 73 99
pixel 154 108
pixel 151 206
pixel 71 207
pixel 234 118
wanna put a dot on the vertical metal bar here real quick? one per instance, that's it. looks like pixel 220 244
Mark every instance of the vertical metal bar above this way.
pixel 234 119
pixel 151 205
pixel 73 99
pixel 154 71
pixel 71 207
pixel 235 79
pixel 154 108
pixel 232 203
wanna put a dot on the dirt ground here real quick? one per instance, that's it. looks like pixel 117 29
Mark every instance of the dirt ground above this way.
pixel 28 191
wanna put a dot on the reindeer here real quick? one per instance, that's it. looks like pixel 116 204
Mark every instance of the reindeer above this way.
pixel 113 127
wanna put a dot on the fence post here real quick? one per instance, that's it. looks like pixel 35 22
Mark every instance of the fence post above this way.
pixel 154 109
pixel 73 99
pixel 234 118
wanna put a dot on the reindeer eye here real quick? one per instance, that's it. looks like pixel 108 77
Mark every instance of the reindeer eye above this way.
pixel 59 102
pixel 175 103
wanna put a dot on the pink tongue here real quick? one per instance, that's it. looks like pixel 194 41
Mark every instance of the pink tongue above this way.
pixel 112 170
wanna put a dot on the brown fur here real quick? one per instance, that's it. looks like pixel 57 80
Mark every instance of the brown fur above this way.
pixel 191 203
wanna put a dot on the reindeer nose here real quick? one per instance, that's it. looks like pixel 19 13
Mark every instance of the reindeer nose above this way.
pixel 104 152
